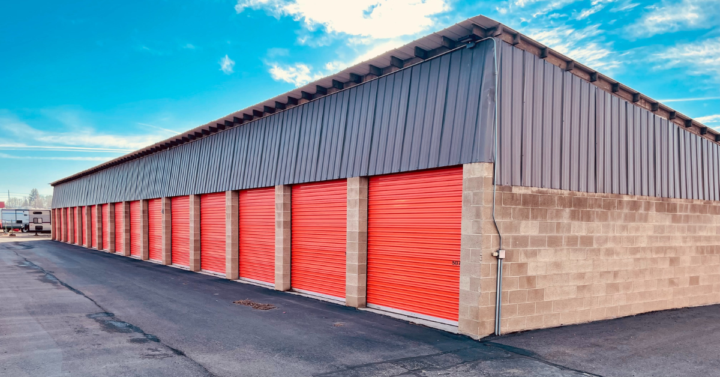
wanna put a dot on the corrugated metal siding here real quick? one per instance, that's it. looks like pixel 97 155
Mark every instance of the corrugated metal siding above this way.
pixel 155 229
pixel 319 232
pixel 559 131
pixel 180 219
pixel 257 234
pixel 436 113
pixel 414 242
pixel 119 226
pixel 212 232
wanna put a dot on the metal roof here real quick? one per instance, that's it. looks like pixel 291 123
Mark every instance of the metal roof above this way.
pixel 409 54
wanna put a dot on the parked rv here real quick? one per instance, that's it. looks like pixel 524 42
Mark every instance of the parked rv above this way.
pixel 15 219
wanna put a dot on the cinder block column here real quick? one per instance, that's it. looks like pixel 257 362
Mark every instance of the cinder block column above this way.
pixel 231 234
pixel 111 228
pixel 282 237
pixel 52 226
pixel 144 236
pixel 356 248
pixel 194 232
pixel 66 233
pixel 71 225
pixel 165 210
pixel 88 225
pixel 477 237
pixel 126 229
pixel 97 232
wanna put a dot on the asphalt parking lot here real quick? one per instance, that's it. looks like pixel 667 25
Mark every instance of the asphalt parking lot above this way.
pixel 70 311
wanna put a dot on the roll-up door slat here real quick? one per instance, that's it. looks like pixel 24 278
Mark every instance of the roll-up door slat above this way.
pixel 155 229
pixel 212 232
pixel 105 226
pixel 93 226
pixel 135 228
pixel 180 243
pixel 414 242
pixel 257 234
pixel 119 225
pixel 319 232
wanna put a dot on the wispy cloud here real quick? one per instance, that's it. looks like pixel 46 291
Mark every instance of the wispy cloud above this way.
pixel 159 128
pixel 676 16
pixel 57 158
pixel 698 58
pixel 689 99
pixel 710 120
pixel 226 65
pixel 55 148
pixel 583 45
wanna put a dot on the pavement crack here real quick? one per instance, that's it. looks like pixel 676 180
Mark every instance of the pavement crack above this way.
pixel 105 318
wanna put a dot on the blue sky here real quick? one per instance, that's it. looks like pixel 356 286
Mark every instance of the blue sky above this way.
pixel 86 81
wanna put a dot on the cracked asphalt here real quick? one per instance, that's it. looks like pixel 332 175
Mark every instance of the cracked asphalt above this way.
pixel 70 311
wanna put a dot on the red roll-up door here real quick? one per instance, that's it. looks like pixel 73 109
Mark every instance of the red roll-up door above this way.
pixel 212 232
pixel 119 226
pixel 93 226
pixel 155 229
pixel 105 226
pixel 257 234
pixel 83 224
pixel 77 228
pixel 319 233
pixel 414 242
pixel 135 228
pixel 180 241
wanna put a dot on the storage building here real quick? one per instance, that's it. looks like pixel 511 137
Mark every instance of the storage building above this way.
pixel 406 184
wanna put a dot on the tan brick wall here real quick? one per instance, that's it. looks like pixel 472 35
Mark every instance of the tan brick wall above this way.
pixel 166 221
pixel 98 231
pixel 111 228
pixel 356 242
pixel 126 229
pixel 283 210
pixel 194 233
pixel 232 233
pixel 576 257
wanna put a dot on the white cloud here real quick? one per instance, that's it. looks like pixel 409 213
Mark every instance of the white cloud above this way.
pixel 699 58
pixel 298 74
pixel 81 158
pixel 226 65
pixel 710 120
pixel 689 99
pixel 77 135
pixel 189 46
pixel 677 16
pixel 378 19
pixel 582 45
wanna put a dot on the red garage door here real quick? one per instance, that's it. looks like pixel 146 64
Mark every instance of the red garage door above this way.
pixel 105 226
pixel 68 222
pixel 180 242
pixel 135 228
pixel 155 229
pixel 414 242
pixel 319 232
pixel 93 226
pixel 83 225
pixel 77 230
pixel 257 234
pixel 212 232
pixel 119 226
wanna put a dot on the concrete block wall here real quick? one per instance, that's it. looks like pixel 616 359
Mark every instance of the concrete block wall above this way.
pixel 575 257
pixel 356 242
pixel 283 243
